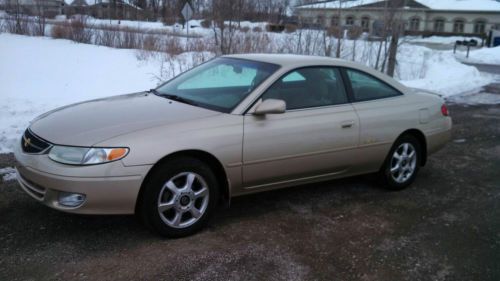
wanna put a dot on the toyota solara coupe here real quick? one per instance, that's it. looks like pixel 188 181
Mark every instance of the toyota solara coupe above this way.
pixel 235 125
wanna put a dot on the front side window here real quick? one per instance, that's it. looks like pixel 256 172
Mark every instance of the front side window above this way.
pixel 366 87
pixel 220 84
pixel 309 87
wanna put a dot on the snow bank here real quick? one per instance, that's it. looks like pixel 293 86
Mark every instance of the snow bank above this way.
pixel 483 55
pixel 8 174
pixel 39 74
pixel 438 71
pixel 439 39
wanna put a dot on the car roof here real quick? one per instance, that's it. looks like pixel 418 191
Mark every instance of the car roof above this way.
pixel 289 59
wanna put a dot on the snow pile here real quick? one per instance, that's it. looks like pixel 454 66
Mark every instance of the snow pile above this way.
pixel 40 74
pixel 441 72
pixel 484 55
pixel 8 174
pixel 439 39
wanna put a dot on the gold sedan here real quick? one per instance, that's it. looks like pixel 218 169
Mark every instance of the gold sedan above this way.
pixel 234 125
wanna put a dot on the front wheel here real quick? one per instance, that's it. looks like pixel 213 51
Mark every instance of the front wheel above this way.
pixel 179 197
pixel 402 164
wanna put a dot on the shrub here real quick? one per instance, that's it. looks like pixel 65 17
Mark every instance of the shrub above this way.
pixel 289 28
pixel 150 43
pixel 206 23
pixel 275 27
pixel 60 31
pixel 130 39
pixel 335 31
pixel 172 46
pixel 107 38
pixel 257 29
pixel 79 33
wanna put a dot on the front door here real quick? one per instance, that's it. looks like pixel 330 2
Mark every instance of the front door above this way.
pixel 316 136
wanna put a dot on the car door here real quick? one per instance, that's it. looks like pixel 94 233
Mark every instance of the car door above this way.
pixel 383 115
pixel 315 137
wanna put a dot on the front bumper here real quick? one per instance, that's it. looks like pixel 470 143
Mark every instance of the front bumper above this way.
pixel 110 188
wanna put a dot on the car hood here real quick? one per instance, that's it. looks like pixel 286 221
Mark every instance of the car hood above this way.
pixel 87 123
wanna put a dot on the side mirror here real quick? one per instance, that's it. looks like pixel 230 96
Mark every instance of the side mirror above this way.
pixel 270 106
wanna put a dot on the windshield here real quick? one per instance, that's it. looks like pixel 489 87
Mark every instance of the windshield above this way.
pixel 220 84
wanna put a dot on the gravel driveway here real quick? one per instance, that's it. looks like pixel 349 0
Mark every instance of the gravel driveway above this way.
pixel 444 227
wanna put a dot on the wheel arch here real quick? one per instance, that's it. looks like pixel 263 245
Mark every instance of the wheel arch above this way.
pixel 209 159
pixel 421 139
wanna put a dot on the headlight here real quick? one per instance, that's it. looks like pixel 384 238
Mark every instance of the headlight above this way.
pixel 86 155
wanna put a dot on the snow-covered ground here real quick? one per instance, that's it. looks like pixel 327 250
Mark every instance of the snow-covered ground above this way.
pixel 39 74
pixel 484 55
pixel 450 40
pixel 8 174
pixel 440 72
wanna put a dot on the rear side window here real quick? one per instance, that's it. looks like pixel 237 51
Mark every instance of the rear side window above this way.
pixel 309 87
pixel 366 87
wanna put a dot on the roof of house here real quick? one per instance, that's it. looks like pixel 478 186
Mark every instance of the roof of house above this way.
pixel 462 5
pixel 447 5
pixel 94 2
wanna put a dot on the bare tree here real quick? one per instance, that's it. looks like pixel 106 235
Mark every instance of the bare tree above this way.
pixel 397 26
pixel 40 18
pixel 223 17
pixel 339 30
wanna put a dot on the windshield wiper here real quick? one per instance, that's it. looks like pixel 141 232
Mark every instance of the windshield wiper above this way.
pixel 174 97
pixel 154 91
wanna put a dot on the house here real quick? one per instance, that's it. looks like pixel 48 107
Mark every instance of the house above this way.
pixel 114 9
pixel 46 8
pixel 420 17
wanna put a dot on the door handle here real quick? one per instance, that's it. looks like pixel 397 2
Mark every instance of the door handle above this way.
pixel 347 124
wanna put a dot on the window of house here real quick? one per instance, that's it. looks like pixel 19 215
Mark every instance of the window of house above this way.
pixel 334 21
pixel 366 87
pixel 309 87
pixel 480 26
pixel 439 25
pixel 458 26
pixel 349 20
pixel 320 20
pixel 365 23
pixel 415 24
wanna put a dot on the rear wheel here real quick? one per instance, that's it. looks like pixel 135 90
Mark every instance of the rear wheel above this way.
pixel 402 164
pixel 179 197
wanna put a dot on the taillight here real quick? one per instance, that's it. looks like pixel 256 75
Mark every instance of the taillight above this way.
pixel 444 110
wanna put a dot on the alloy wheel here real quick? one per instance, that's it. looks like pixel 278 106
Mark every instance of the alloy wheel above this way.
pixel 403 162
pixel 183 200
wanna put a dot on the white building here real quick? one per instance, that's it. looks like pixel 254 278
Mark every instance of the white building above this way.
pixel 427 17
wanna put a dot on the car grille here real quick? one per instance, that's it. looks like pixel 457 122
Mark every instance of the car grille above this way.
pixel 33 144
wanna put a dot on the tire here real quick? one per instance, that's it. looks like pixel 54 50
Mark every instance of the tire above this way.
pixel 396 174
pixel 179 198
